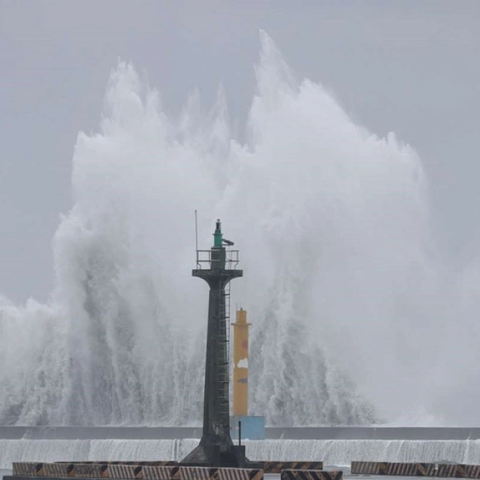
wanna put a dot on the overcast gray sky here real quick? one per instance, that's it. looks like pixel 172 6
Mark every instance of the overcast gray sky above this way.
pixel 408 66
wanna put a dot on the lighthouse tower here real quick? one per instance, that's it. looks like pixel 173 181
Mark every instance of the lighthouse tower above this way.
pixel 217 267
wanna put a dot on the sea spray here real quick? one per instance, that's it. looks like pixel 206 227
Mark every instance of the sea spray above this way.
pixel 342 282
pixel 331 452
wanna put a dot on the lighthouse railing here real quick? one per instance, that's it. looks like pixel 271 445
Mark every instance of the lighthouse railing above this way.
pixel 204 259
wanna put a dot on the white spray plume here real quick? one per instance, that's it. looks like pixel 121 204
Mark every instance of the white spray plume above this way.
pixel 354 320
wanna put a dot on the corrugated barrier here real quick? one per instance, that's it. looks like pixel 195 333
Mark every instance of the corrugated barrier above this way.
pixel 154 463
pixel 310 475
pixel 125 470
pixel 60 470
pixel 277 467
pixel 270 466
pixel 444 470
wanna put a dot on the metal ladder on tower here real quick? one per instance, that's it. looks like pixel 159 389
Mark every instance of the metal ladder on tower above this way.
pixel 227 317
pixel 224 344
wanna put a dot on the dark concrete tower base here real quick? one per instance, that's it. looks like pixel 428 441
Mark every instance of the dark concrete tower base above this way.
pixel 216 448
pixel 211 455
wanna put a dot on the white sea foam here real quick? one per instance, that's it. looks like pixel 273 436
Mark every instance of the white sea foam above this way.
pixel 331 452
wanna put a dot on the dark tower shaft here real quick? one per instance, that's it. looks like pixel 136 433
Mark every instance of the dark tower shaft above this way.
pixel 216 447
